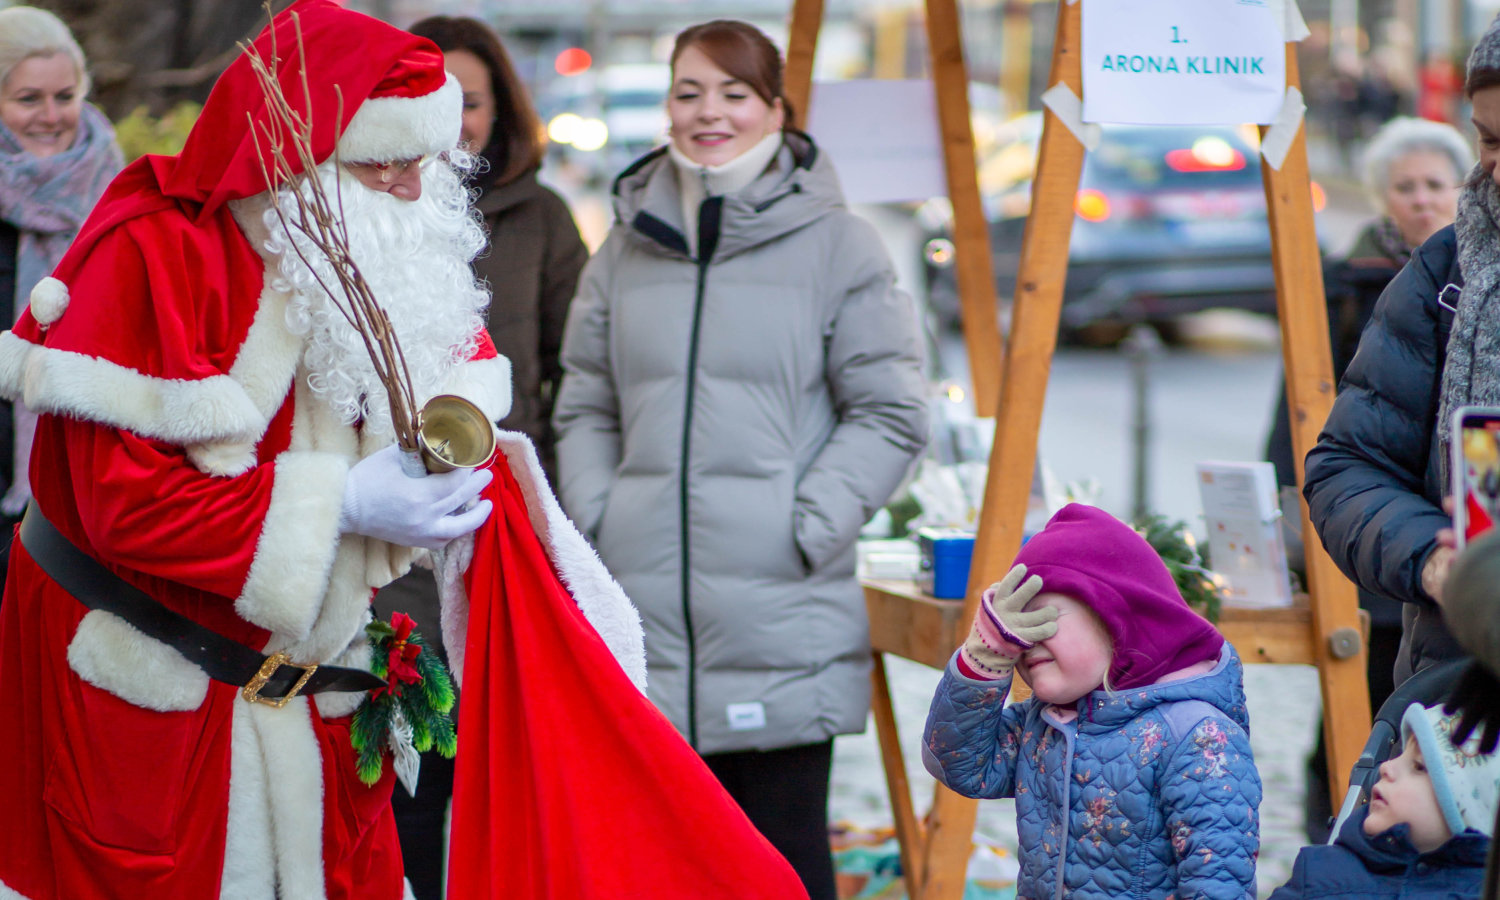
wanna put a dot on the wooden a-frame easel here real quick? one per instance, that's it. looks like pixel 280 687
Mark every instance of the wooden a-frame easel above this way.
pixel 1012 385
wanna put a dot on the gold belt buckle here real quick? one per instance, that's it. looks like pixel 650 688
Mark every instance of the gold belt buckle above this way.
pixel 251 690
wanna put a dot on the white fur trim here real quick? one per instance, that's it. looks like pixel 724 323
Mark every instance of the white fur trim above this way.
pixel 85 387
pixel 597 594
pixel 484 382
pixel 357 655
pixel 263 368
pixel 7 894
pixel 249 862
pixel 289 575
pixel 290 753
pixel 223 458
pixel 114 656
pixel 406 892
pixel 449 565
pixel 392 128
pixel 49 300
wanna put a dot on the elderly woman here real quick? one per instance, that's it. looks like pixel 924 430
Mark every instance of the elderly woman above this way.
pixel 1412 172
pixel 57 153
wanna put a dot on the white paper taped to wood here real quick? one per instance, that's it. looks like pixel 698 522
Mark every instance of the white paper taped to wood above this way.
pixel 1183 62
pixel 882 136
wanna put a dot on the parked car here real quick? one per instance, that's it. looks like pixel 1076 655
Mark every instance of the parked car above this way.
pixel 1168 220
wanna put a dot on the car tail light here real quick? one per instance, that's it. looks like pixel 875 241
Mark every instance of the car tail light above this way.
pixel 1208 154
pixel 1091 205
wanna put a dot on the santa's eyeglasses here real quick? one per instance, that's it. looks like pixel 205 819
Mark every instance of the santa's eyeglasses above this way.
pixel 391 170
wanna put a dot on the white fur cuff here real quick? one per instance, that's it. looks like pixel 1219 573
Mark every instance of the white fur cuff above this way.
pixel 289 575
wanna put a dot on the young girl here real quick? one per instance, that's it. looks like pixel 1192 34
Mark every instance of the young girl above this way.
pixel 1130 764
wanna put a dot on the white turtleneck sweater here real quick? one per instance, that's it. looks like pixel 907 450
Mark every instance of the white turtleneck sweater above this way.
pixel 696 182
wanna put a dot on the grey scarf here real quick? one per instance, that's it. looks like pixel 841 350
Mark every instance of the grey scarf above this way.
pixel 47 199
pixel 1471 375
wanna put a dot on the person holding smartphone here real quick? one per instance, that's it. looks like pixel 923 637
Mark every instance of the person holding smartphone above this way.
pixel 1378 476
pixel 1413 170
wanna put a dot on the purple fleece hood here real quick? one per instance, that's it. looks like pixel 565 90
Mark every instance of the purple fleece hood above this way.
pixel 1089 555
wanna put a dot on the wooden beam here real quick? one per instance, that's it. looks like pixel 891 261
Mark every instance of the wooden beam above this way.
pixel 1033 336
pixel 801 47
pixel 1303 313
pixel 1023 388
pixel 909 831
pixel 973 265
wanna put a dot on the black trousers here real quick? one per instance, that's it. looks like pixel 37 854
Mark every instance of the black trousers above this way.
pixel 785 794
pixel 421 824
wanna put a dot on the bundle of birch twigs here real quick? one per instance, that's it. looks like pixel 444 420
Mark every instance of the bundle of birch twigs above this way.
pixel 320 218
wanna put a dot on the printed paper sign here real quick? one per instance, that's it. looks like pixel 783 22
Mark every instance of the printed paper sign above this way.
pixel 1244 538
pixel 1182 62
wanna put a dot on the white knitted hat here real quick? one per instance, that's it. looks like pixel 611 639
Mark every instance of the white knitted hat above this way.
pixel 1467 783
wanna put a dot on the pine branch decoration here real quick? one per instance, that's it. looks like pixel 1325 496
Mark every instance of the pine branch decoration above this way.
pixel 1202 588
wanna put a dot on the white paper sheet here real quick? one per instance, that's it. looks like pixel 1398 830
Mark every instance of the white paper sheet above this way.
pixel 883 138
pixel 1183 62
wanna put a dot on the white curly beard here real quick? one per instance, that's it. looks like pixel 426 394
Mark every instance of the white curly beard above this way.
pixel 415 256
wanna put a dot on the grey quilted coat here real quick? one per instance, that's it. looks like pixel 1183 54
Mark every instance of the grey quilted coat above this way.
pixel 1150 793
pixel 725 425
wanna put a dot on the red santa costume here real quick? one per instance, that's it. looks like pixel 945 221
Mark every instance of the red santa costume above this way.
pixel 191 442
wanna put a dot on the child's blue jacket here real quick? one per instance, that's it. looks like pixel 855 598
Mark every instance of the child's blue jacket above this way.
pixel 1386 866
pixel 1151 792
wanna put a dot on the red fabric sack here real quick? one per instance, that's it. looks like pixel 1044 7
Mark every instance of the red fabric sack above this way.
pixel 570 784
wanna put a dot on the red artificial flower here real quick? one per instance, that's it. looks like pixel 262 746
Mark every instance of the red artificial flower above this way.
pixel 400 654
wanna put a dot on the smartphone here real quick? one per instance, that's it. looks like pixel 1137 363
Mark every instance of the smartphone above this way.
pixel 1475 468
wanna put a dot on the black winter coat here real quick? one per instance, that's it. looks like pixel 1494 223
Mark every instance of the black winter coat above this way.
pixel 1386 867
pixel 1374 483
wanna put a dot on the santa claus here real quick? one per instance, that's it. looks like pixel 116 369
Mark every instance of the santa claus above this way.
pixel 215 483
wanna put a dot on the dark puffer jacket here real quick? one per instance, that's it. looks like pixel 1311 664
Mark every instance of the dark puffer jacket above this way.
pixel 1374 483
pixel 1386 867
pixel 1149 793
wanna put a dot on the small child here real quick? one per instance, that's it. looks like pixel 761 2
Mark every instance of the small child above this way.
pixel 1130 764
pixel 1425 831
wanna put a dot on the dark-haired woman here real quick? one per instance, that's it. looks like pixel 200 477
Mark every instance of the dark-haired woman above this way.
pixel 742 390
pixel 532 266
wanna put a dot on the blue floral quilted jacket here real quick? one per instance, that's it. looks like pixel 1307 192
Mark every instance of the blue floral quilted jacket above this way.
pixel 1149 793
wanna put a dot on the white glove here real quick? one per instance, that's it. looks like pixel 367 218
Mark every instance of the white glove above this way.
pixel 382 501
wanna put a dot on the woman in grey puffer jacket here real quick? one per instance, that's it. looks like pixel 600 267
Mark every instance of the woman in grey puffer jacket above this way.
pixel 742 389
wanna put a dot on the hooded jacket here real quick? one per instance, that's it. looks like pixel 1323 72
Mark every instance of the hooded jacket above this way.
pixel 1386 866
pixel 1148 793
pixel 726 423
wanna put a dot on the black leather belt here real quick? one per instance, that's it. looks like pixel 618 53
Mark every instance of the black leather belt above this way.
pixel 272 680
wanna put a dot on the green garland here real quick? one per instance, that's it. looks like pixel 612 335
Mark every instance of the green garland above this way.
pixel 1200 586
pixel 426 702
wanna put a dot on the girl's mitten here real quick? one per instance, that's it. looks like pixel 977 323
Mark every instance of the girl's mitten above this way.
pixel 1003 629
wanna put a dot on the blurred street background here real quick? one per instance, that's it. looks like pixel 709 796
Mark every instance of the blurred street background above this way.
pixel 598 74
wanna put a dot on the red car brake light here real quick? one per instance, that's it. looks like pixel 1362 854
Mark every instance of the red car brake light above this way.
pixel 1190 159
